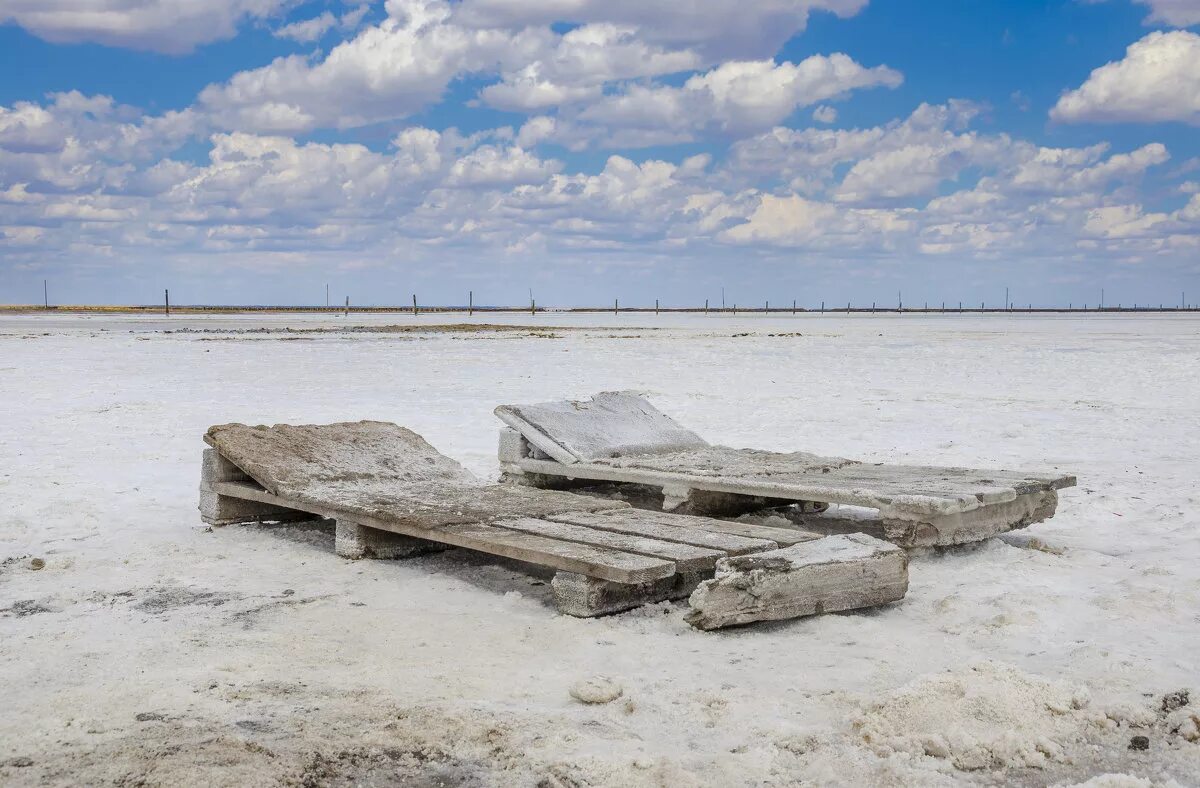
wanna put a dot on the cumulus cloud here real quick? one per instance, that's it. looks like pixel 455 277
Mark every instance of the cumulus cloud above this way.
pixel 735 98
pixel 307 31
pixel 825 114
pixel 171 26
pixel 388 71
pixel 1155 81
pixel 595 73
pixel 82 172
pixel 577 68
pixel 1180 13
pixel 718 29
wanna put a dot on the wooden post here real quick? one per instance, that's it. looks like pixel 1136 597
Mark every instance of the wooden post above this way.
pixel 767 308
pixel 347 306
pixel 793 306
pixel 706 306
pixel 414 304
pixel 616 305
pixel 470 302
pixel 822 307
pixel 167 301
pixel 532 306
pixel 656 306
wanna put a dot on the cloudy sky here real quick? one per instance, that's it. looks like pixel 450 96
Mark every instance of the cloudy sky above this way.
pixel 253 151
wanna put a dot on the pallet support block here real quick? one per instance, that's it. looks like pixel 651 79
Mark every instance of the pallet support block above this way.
pixel 223 510
pixel 355 541
pixel 707 503
pixel 584 597
pixel 822 576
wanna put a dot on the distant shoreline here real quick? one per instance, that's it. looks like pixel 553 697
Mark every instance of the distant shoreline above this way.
pixel 159 310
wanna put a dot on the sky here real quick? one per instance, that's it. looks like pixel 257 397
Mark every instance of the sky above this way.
pixel 838 151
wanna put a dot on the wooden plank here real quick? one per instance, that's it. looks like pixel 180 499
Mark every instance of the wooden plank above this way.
pixel 784 537
pixel 722 463
pixel 568 556
pixel 585 559
pixel 668 527
pixel 610 424
pixel 826 493
pixel 686 557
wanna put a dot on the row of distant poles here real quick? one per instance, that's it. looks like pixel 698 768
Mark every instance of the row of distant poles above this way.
pixel 1009 306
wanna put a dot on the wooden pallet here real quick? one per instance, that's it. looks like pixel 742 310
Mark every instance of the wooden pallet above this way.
pixel 622 438
pixel 394 495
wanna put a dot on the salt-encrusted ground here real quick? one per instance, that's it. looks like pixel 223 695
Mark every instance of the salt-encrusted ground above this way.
pixel 150 650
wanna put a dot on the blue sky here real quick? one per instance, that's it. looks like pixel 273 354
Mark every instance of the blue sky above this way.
pixel 252 151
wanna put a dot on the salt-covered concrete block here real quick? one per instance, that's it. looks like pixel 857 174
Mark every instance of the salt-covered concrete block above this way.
pixel 223 510
pixel 352 540
pixel 513 446
pixel 822 576
pixel 584 597
pixel 214 468
pixel 973 526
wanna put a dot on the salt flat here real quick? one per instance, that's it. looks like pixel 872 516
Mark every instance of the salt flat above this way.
pixel 152 649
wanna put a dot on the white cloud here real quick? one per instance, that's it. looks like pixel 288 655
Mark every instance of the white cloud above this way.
pixel 577 68
pixel 307 31
pixel 736 98
pixel 1180 13
pixel 1156 81
pixel 83 173
pixel 718 29
pixel 388 71
pixel 825 114
pixel 172 26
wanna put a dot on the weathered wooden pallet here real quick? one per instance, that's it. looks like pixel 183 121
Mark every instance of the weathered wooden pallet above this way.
pixel 391 495
pixel 618 437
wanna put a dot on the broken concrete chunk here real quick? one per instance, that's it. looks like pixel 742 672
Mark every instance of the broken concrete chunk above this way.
pixel 826 575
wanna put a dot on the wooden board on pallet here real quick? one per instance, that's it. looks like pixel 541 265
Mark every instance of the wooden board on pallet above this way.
pixel 621 437
pixel 682 528
pixel 592 560
pixel 687 558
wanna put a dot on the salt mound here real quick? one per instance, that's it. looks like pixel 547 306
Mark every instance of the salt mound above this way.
pixel 986 716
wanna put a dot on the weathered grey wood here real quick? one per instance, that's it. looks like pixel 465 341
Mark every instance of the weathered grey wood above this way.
pixel 824 576
pixel 801 491
pixel 288 458
pixel 582 596
pixel 610 424
pixel 667 527
pixel 896 498
pixel 599 562
pixel 782 536
pixel 585 559
pixel 622 438
pixel 687 558
pixel 380 470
